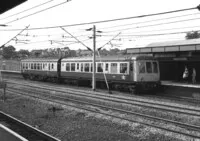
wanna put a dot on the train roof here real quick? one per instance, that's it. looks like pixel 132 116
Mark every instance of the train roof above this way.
pixel 40 60
pixel 110 58
pixel 89 58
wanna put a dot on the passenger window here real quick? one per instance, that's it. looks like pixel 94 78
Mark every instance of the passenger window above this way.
pixel 26 66
pixel 82 67
pixel 149 67
pixel 32 66
pixel 87 67
pixel 77 66
pixel 113 68
pixel 123 68
pixel 91 67
pixel 106 67
pixel 35 66
pixel 131 66
pixel 100 67
pixel 67 66
pixel 155 67
pixel 72 66
pixel 141 67
pixel 52 66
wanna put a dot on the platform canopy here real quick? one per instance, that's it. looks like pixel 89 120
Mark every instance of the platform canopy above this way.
pixel 168 46
pixel 6 5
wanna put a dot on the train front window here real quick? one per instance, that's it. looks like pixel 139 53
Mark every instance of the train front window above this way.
pixel 141 67
pixel 123 67
pixel 155 67
pixel 149 67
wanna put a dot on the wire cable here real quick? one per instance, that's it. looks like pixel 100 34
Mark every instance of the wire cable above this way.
pixel 149 21
pixel 104 21
pixel 27 9
pixel 38 12
pixel 150 25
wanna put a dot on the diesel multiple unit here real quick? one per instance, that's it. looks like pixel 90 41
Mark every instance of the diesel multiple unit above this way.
pixel 120 72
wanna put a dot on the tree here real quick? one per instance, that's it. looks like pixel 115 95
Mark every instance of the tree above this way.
pixel 192 35
pixel 9 52
pixel 23 53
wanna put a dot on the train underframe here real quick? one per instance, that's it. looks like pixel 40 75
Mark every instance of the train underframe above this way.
pixel 132 87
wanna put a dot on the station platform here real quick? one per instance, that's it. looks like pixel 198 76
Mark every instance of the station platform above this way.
pixel 181 89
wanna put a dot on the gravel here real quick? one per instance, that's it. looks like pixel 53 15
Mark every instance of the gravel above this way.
pixel 70 124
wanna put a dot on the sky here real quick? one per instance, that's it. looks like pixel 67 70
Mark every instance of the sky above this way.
pixel 129 33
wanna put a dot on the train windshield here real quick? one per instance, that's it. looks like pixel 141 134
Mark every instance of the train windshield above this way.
pixel 148 67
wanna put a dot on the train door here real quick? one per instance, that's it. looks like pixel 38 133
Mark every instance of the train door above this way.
pixel 131 73
pixel 59 67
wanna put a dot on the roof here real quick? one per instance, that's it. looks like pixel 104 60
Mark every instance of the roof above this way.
pixel 175 43
pixel 109 58
pixel 6 5
pixel 40 60
pixel 169 46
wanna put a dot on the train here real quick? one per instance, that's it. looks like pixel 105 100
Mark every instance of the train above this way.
pixel 132 73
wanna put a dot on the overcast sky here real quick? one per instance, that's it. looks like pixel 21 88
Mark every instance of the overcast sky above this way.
pixel 136 32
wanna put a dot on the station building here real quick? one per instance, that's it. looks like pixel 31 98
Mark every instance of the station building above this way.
pixel 173 56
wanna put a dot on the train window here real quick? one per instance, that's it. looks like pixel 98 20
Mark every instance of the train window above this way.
pixel 43 66
pixel 32 66
pixel 38 66
pixel 131 66
pixel 23 65
pixel 77 66
pixel 106 67
pixel 100 67
pixel 26 65
pixel 141 67
pixel 149 67
pixel 91 67
pixel 35 66
pixel 155 67
pixel 72 66
pixel 82 67
pixel 87 67
pixel 123 68
pixel 113 68
pixel 49 66
pixel 52 66
pixel 67 66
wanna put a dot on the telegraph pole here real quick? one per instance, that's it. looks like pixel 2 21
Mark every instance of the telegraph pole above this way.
pixel 94 59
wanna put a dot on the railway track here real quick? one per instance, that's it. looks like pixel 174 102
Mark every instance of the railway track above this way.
pixel 61 98
pixel 28 132
pixel 195 111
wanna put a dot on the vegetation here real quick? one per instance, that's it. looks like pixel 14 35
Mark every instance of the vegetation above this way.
pixel 9 52
pixel 192 35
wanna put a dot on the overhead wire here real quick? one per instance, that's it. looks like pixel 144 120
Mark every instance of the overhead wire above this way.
pixel 39 5
pixel 38 12
pixel 150 25
pixel 104 21
pixel 149 21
